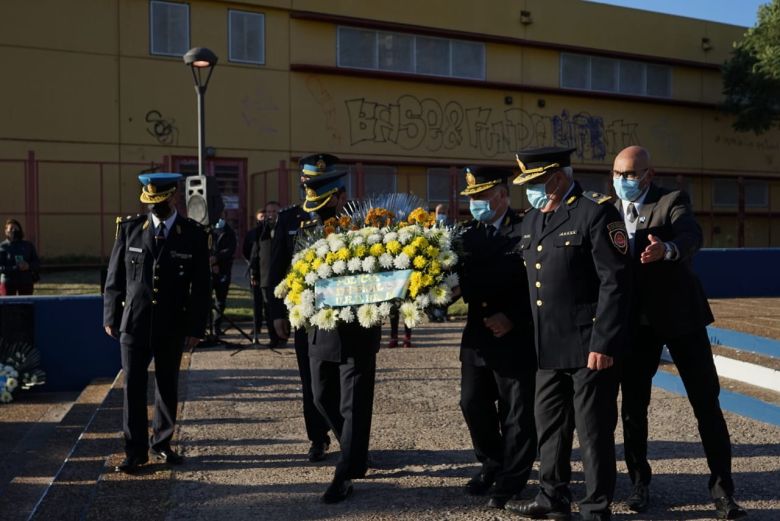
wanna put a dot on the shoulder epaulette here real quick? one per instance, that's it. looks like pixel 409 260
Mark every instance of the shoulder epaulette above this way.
pixel 126 219
pixel 597 197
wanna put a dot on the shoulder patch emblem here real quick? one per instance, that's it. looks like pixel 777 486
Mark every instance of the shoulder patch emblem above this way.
pixel 618 236
pixel 597 197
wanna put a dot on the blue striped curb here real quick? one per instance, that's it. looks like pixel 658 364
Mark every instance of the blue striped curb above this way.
pixel 745 342
pixel 730 401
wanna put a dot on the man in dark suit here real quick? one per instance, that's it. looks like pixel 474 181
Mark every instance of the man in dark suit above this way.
pixel 579 279
pixel 156 303
pixel 225 243
pixel 291 222
pixel 260 267
pixel 670 309
pixel 498 360
pixel 258 304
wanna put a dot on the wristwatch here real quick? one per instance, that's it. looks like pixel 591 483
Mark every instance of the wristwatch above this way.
pixel 668 252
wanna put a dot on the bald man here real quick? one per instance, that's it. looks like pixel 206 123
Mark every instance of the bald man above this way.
pixel 670 309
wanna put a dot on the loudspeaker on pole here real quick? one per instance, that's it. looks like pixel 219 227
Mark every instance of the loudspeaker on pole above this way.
pixel 204 202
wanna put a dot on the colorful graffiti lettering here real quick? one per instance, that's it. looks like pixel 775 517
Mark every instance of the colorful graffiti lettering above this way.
pixel 412 123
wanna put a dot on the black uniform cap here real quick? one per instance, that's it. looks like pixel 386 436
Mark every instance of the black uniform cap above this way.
pixel 481 178
pixel 538 161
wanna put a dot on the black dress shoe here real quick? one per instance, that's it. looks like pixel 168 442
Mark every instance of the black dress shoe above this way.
pixel 131 463
pixel 727 508
pixel 480 483
pixel 317 450
pixel 499 500
pixel 533 510
pixel 337 491
pixel 167 455
pixel 639 499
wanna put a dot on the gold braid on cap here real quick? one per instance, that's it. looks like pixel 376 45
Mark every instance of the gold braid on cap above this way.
pixel 528 171
pixel 312 197
pixel 150 195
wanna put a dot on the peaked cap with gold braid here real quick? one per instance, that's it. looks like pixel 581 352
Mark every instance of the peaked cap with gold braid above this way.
pixel 538 161
pixel 321 178
pixel 481 178
pixel 158 187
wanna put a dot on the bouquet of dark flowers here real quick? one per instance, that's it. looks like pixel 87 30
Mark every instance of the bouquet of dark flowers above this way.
pixel 19 363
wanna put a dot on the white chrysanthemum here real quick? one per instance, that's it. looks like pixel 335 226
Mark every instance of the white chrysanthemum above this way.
pixel 311 278
pixel 307 309
pixel 325 319
pixel 374 238
pixel 319 244
pixel 401 261
pixel 389 236
pixel 441 294
pixel 298 256
pixel 346 314
pixel 369 230
pixel 11 383
pixel 452 280
pixel 6 397
pixel 410 314
pixel 339 266
pixel 369 264
pixel 297 318
pixel 448 259
pixel 368 315
pixel 307 296
pixel 422 301
pixel 386 260
pixel 281 289
pixel 384 309
pixel 336 244
pixel 354 264
pixel 322 251
pixel 405 235
pixel 357 240
pixel 324 271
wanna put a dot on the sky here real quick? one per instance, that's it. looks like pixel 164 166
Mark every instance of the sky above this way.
pixel 734 12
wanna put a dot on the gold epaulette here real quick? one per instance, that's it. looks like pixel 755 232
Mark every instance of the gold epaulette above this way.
pixel 122 220
pixel 597 197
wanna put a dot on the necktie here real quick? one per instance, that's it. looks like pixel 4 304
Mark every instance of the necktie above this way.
pixel 632 213
pixel 491 231
pixel 159 238
pixel 547 217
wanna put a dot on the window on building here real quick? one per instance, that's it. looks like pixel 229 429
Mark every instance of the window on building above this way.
pixel 439 185
pixel 378 180
pixel 756 194
pixel 725 193
pixel 246 35
pixel 402 52
pixel 169 28
pixel 596 73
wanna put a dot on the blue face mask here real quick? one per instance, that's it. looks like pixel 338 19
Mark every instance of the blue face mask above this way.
pixel 537 195
pixel 627 189
pixel 481 210
pixel 220 224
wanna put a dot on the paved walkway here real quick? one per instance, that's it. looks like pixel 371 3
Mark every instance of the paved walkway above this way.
pixel 243 436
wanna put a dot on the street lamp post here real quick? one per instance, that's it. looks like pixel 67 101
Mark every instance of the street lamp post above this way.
pixel 200 59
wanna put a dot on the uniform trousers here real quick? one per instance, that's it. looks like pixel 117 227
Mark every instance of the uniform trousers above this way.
pixel 316 426
pixel 267 295
pixel 137 353
pixel 692 354
pixel 258 308
pixel 498 406
pixel 589 398
pixel 344 394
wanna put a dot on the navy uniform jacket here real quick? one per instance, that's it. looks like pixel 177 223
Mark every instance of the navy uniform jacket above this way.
pixel 493 280
pixel 579 280
pixel 349 340
pixel 167 295
pixel 668 295
pixel 225 248
pixel 260 256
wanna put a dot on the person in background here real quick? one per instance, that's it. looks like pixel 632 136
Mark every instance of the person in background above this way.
pixel 394 319
pixel 19 264
pixel 670 309
pixel 258 305
pixel 260 267
pixel 222 266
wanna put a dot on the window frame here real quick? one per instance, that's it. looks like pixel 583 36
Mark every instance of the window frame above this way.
pixel 230 32
pixel 617 71
pixel 151 28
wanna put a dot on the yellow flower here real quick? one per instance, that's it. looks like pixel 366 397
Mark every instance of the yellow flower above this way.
pixel 309 256
pixel 302 267
pixel 343 254
pixel 410 251
pixel 296 287
pixel 295 298
pixel 419 262
pixel 420 242
pixel 361 250
pixel 432 252
pixel 330 258
pixel 426 280
pixel 376 249
pixel 434 268
pixel 316 263
pixel 394 247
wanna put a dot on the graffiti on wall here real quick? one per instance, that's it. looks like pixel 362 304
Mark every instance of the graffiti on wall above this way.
pixel 162 129
pixel 328 105
pixel 413 123
pixel 259 111
pixel 748 143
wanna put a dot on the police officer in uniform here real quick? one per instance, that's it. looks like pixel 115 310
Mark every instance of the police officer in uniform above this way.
pixel 670 309
pixel 576 249
pixel 156 303
pixel 292 221
pixel 497 348
pixel 259 270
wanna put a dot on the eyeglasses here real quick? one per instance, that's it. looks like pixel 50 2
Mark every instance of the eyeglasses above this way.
pixel 630 174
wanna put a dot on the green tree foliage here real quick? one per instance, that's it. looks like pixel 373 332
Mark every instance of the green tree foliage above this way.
pixel 752 76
